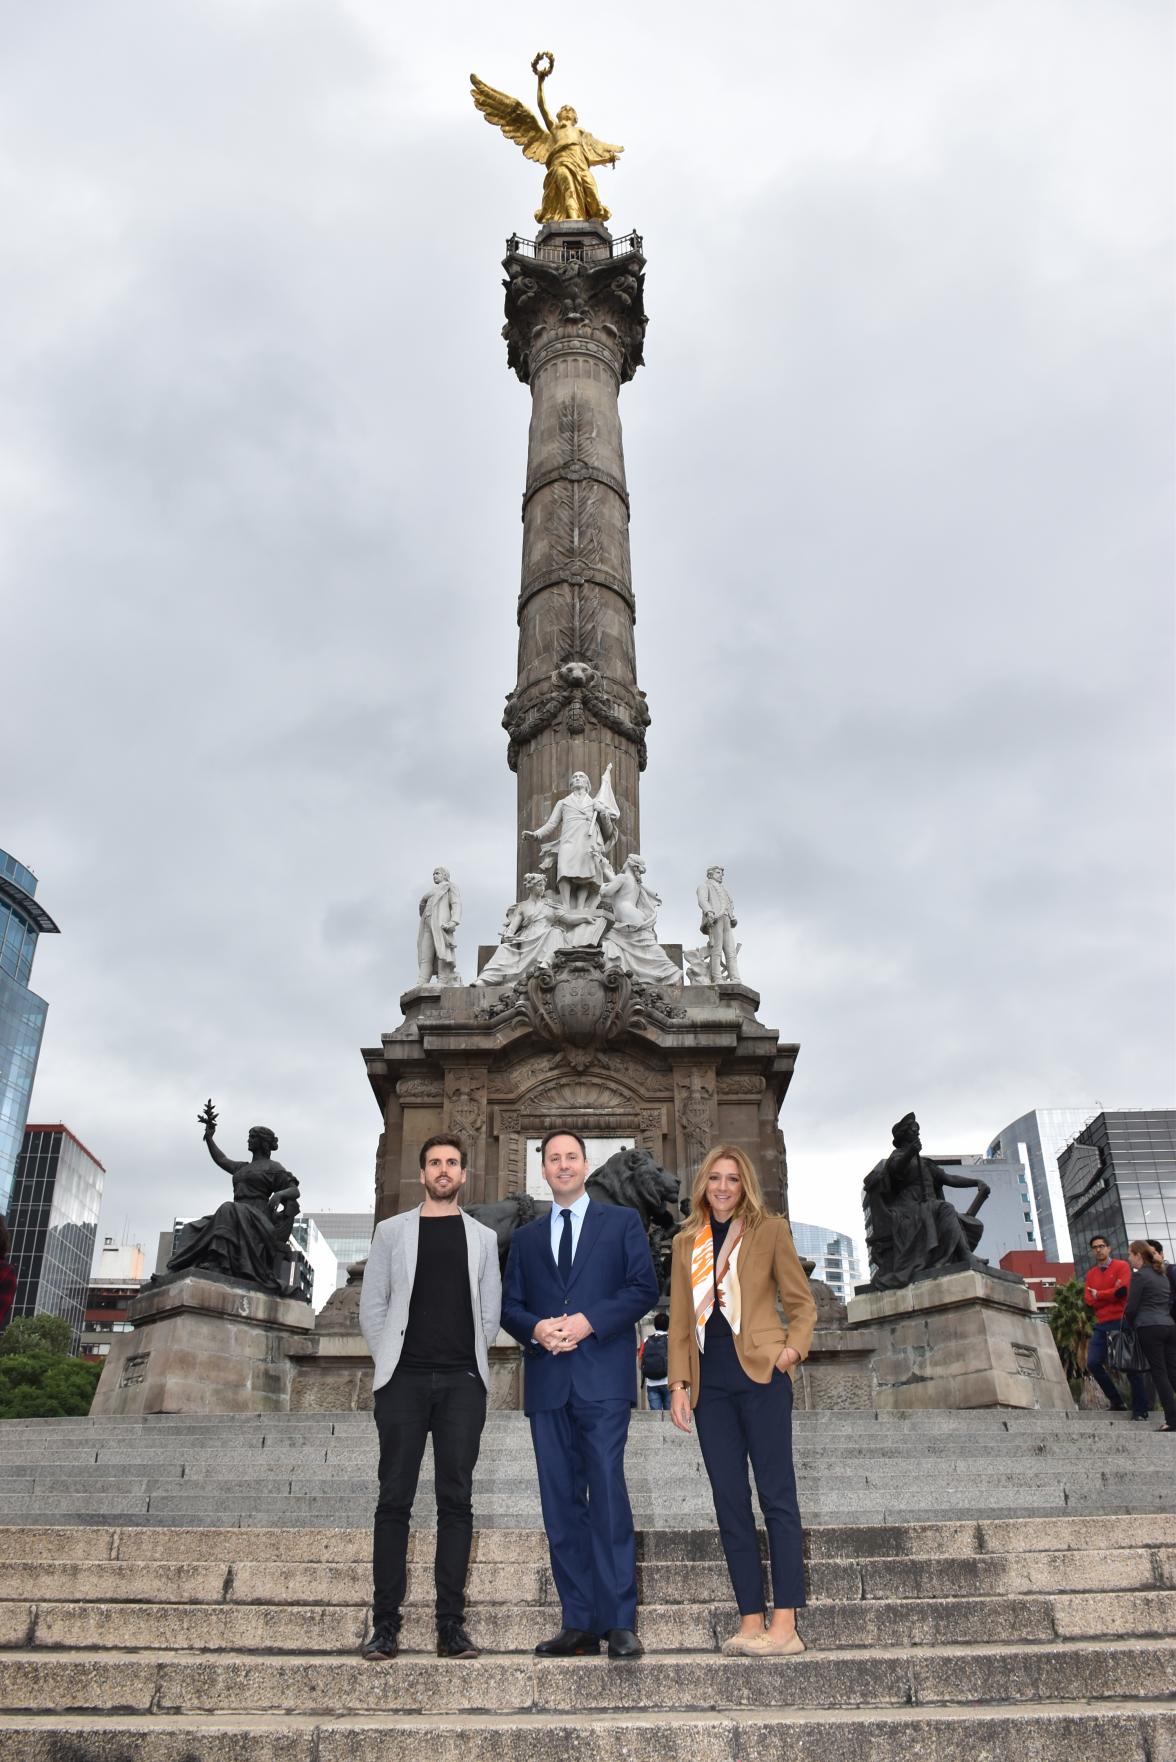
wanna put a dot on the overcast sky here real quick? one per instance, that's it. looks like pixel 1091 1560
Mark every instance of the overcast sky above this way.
pixel 901 464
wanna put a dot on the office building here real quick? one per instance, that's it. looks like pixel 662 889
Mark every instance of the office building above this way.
pixel 1034 1140
pixel 319 1257
pixel 22 1012
pixel 53 1216
pixel 1119 1180
pixel 116 1279
pixel 1040 1273
pixel 1007 1213
pixel 835 1254
pixel 348 1234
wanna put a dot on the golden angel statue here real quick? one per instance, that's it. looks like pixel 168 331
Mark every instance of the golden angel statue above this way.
pixel 568 151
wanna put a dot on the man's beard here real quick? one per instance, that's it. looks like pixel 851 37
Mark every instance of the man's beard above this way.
pixel 450 1192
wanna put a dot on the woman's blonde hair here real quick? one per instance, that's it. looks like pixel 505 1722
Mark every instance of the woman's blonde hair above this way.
pixel 1148 1254
pixel 751 1207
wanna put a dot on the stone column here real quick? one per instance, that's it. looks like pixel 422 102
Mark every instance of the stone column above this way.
pixel 575 326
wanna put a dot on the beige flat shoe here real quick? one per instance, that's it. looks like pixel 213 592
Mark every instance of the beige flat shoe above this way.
pixel 766 1645
pixel 739 1645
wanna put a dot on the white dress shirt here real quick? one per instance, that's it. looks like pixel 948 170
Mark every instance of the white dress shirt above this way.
pixel 578 1210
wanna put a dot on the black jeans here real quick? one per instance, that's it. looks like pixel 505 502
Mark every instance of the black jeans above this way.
pixel 1159 1348
pixel 452 1405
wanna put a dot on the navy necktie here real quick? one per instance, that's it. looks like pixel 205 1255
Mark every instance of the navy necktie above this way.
pixel 564 1260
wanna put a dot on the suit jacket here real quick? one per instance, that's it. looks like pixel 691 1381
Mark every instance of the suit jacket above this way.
pixel 612 1282
pixel 714 901
pixel 767 1265
pixel 387 1290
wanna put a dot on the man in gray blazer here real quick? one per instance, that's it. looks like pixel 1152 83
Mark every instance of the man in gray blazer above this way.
pixel 429 1312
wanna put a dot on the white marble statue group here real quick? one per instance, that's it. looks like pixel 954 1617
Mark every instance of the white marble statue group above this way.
pixel 575 899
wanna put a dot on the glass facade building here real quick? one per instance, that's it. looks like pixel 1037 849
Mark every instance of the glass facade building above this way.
pixel 22 1012
pixel 348 1234
pixel 53 1217
pixel 1119 1181
pixel 835 1254
pixel 1034 1141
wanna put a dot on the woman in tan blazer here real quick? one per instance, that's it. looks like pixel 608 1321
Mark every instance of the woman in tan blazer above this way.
pixel 731 1359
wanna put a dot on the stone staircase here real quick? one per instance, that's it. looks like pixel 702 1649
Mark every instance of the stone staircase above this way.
pixel 319 1470
pixel 1048 1639
pixel 183 1590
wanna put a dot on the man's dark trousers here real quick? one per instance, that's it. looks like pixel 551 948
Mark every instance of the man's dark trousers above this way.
pixel 452 1405
pixel 579 1404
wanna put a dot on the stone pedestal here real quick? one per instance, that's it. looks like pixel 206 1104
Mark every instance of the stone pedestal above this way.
pixel 332 1373
pixel 198 1346
pixel 964 1340
pixel 675 1069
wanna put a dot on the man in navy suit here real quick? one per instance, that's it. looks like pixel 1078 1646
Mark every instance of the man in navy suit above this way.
pixel 576 1285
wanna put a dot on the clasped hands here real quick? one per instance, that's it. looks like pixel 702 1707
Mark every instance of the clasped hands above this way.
pixel 562 1333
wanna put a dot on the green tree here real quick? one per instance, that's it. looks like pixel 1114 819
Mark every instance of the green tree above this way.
pixel 46 1385
pixel 1071 1325
pixel 37 1333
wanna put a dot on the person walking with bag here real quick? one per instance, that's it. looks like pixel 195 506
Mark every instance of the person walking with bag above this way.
pixel 731 1362
pixel 1149 1312
pixel 1105 1291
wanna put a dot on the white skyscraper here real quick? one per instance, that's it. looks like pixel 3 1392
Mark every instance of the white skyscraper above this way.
pixel 1034 1140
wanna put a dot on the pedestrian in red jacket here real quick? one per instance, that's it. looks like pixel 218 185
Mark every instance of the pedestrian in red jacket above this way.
pixel 1107 1284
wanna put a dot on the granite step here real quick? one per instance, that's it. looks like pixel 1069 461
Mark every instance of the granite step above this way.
pixel 853 1542
pixel 529 1582
pixel 339 1628
pixel 1131 1731
pixel 883 1676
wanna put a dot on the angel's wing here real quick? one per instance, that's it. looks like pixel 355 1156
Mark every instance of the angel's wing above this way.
pixel 599 152
pixel 511 115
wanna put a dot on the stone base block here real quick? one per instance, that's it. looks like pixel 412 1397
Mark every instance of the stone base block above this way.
pixel 331 1373
pixel 201 1347
pixel 506 1374
pixel 965 1340
pixel 836 1375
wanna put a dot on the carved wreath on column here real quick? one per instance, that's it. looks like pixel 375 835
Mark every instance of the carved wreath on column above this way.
pixel 574 688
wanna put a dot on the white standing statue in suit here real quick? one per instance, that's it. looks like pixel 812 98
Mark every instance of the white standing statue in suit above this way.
pixel 437 936
pixel 720 958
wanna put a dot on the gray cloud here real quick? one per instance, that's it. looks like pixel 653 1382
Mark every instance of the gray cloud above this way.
pixel 901 466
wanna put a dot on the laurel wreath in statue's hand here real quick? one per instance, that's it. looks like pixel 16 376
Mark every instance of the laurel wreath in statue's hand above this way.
pixel 543 72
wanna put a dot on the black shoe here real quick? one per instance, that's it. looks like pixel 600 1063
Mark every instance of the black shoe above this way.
pixel 623 1643
pixel 383 1644
pixel 454 1642
pixel 1141 1417
pixel 569 1642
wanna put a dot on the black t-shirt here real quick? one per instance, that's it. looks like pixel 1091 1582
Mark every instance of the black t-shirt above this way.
pixel 716 1321
pixel 439 1333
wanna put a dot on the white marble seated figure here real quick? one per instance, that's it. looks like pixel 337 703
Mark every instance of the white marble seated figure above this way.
pixel 535 927
pixel 631 938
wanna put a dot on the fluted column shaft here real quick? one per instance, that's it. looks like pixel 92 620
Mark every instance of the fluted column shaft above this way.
pixel 575 325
